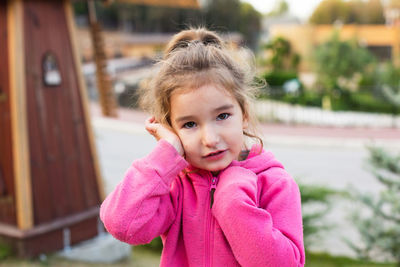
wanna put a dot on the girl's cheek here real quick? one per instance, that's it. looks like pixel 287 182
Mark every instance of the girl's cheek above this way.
pixel 182 137
pixel 187 140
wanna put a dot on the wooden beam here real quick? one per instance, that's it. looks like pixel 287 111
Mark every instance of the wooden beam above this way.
pixel 20 143
pixel 83 91
pixel 11 231
pixel 169 3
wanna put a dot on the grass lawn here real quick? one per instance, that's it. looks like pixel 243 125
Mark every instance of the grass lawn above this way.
pixel 143 257
pixel 325 260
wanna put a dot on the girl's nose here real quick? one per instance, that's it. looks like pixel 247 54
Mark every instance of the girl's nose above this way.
pixel 210 137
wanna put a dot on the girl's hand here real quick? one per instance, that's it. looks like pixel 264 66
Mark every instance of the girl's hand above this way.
pixel 160 131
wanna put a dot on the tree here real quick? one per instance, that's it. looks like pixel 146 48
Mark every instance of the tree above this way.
pixel 281 7
pixel 375 13
pixel 80 8
pixel 282 57
pixel 219 15
pixel 316 202
pixel 141 18
pixel 329 11
pixel 380 228
pixel 250 24
pixel 233 15
pixel 336 59
pixel 223 15
pixel 354 11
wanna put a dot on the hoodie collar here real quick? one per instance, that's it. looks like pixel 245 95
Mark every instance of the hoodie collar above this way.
pixel 257 161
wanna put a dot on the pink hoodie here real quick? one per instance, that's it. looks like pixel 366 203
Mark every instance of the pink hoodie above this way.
pixel 252 219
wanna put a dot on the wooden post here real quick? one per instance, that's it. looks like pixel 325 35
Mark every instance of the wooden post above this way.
pixel 21 161
pixel 104 85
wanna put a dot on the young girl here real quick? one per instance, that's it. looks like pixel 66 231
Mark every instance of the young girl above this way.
pixel 213 202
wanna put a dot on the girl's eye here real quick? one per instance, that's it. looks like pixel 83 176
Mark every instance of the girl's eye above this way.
pixel 223 116
pixel 189 125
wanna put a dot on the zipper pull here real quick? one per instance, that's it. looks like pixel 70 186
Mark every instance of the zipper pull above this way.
pixel 214 181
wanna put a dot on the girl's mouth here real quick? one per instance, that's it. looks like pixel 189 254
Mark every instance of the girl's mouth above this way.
pixel 214 154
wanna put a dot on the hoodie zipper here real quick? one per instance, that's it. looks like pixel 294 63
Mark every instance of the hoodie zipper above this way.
pixel 213 186
pixel 210 223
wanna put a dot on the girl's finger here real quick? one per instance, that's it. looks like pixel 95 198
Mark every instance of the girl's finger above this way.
pixel 151 128
pixel 150 120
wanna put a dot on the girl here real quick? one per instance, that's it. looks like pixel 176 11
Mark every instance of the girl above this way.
pixel 212 202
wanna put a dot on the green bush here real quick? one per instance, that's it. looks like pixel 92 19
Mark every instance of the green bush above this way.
pixel 344 101
pixel 5 251
pixel 278 78
pixel 304 99
pixel 155 245
pixel 361 101
pixel 389 84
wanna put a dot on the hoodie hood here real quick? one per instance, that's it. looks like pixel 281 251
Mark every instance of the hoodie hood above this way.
pixel 258 160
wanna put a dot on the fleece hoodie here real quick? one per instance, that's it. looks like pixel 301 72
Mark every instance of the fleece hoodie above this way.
pixel 248 215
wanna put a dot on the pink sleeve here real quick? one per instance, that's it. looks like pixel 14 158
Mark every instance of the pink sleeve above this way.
pixel 141 207
pixel 263 230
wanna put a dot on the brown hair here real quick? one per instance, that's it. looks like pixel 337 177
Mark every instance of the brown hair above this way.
pixel 194 58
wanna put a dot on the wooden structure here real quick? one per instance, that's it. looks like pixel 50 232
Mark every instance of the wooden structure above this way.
pixel 50 186
pixel 171 3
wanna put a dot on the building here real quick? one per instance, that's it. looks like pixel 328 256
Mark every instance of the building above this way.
pixel 381 40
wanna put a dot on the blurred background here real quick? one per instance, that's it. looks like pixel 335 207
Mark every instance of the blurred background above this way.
pixel 329 105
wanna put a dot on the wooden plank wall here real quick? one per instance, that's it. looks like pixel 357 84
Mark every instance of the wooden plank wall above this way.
pixel 62 167
pixel 7 197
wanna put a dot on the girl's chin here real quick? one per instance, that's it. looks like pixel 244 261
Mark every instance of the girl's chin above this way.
pixel 215 169
pixel 211 166
pixel 210 169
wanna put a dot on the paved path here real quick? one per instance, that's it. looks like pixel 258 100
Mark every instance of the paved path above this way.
pixel 283 134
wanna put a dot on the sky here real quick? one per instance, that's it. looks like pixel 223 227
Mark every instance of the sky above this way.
pixel 300 8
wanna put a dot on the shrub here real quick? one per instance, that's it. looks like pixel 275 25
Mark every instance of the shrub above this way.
pixel 278 78
pixel 343 101
pixel 362 101
pixel 5 251
pixel 282 58
pixel 318 198
pixel 380 227
pixel 389 84
pixel 155 245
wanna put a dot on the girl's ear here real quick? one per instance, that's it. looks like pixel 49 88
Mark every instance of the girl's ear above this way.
pixel 245 122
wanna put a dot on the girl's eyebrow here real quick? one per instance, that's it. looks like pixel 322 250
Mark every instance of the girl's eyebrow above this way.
pixel 184 118
pixel 190 117
pixel 227 106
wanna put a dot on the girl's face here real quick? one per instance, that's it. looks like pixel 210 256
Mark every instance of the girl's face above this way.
pixel 210 124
